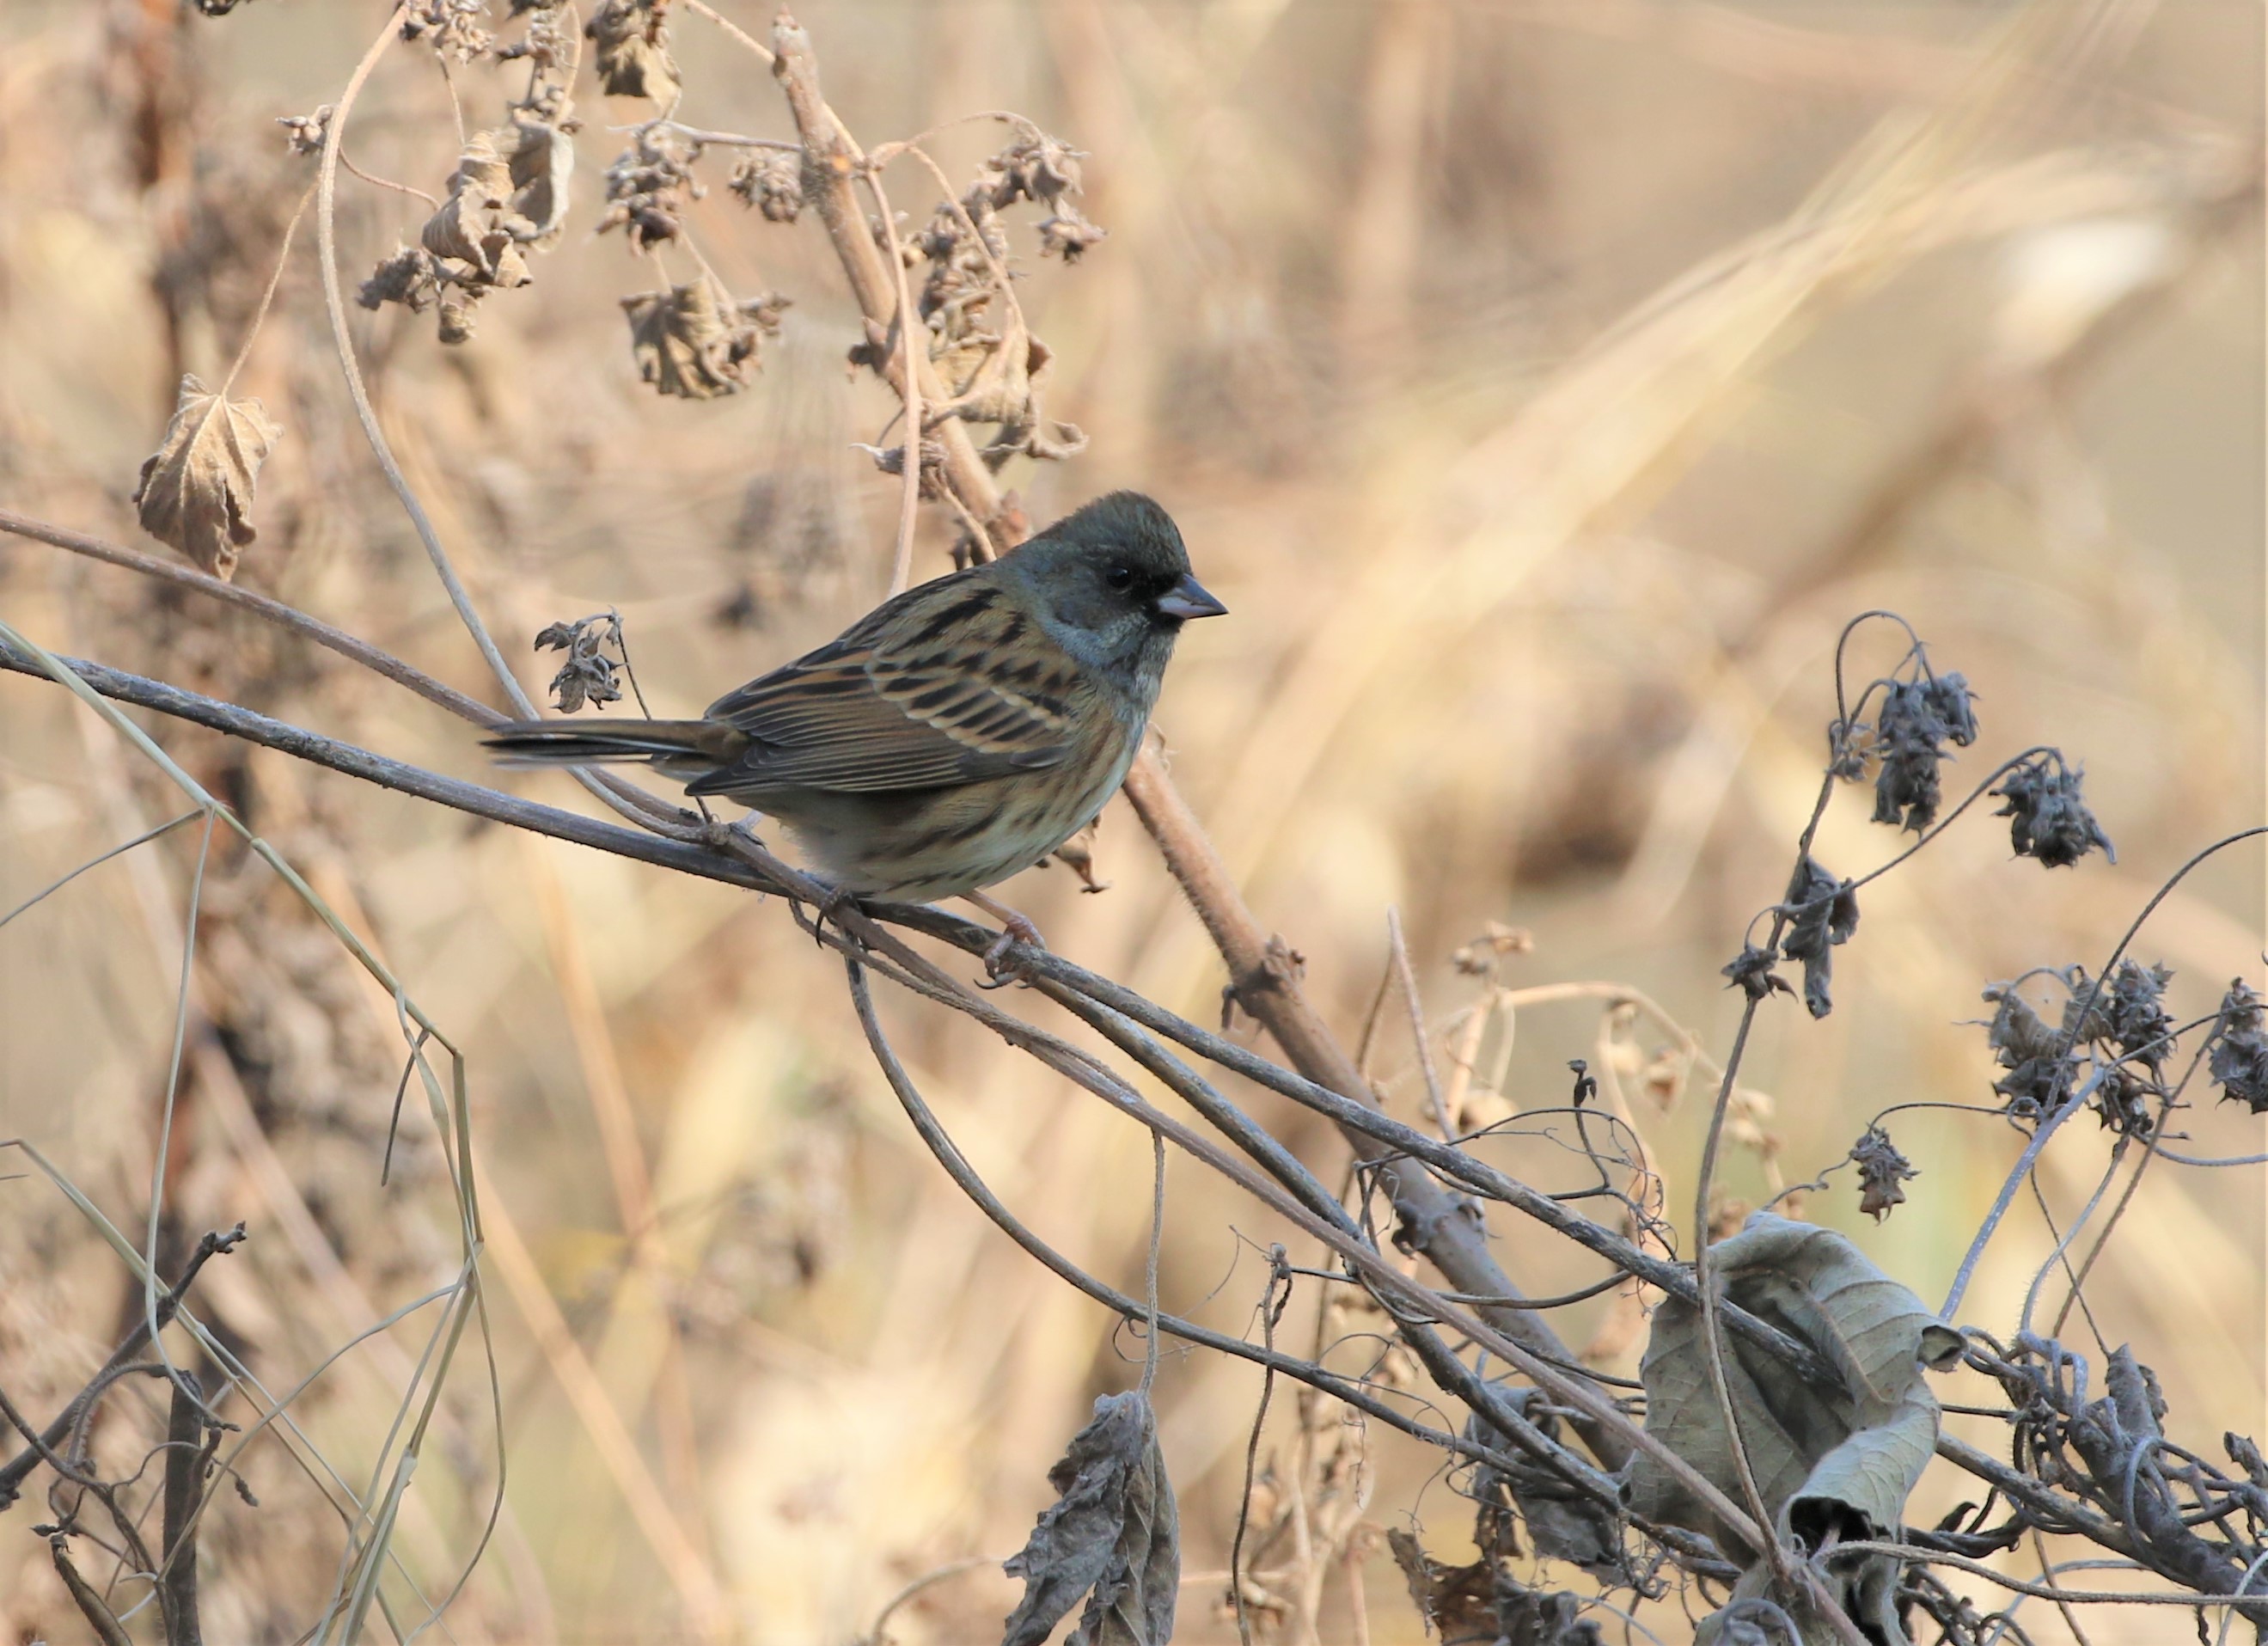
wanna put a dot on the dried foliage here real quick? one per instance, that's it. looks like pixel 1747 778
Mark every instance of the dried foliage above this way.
pixel 1112 1536
pixel 696 341
pixel 195 492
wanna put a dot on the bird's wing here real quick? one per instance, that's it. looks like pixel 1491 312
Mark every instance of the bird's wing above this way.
pixel 948 683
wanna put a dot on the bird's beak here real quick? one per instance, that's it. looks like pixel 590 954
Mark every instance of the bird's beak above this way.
pixel 1188 599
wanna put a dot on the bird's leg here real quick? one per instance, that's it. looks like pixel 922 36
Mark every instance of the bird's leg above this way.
pixel 1015 928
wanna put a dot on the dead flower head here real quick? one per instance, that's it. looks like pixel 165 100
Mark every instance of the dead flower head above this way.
pixel 455 27
pixel 2048 819
pixel 1882 1170
pixel 771 180
pixel 648 184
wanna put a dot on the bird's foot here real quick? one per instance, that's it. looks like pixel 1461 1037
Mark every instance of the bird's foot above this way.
pixel 1014 928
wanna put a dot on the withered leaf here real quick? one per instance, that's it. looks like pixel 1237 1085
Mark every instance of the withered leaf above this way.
pixel 479 224
pixel 1112 1534
pixel 196 489
pixel 1833 1462
pixel 695 342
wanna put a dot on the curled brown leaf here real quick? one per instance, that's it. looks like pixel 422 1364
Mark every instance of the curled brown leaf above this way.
pixel 196 489
pixel 695 342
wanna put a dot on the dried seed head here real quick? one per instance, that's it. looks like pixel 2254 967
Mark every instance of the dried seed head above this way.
pixel 1917 718
pixel 1822 912
pixel 454 27
pixel 1479 958
pixel 589 672
pixel 648 185
pixel 1882 1170
pixel 1752 971
pixel 2240 1049
pixel 2039 1071
pixel 304 133
pixel 771 180
pixel 2048 818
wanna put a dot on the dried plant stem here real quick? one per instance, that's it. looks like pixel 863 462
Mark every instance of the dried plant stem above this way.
pixel 1399 950
pixel 326 232
pixel 909 390
pixel 268 294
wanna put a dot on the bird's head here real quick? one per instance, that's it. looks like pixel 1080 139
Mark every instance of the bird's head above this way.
pixel 1111 584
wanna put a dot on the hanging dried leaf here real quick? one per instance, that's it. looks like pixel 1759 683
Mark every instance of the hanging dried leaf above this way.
pixel 196 489
pixel 542 162
pixel 695 342
pixel 1834 1463
pixel 478 224
pixel 1112 1534
pixel 633 54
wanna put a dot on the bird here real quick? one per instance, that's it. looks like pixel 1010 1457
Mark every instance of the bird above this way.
pixel 957 733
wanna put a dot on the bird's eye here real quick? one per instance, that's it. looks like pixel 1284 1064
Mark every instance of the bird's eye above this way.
pixel 1120 577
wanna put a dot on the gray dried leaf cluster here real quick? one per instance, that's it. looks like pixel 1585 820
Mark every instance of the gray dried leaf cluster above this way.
pixel 2121 1026
pixel 1112 1534
pixel 196 489
pixel 1834 1464
pixel 633 50
pixel 1562 1523
pixel 696 341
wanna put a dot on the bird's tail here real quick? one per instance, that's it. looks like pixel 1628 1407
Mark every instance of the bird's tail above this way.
pixel 666 743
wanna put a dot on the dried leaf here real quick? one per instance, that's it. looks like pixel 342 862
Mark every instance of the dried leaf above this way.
pixel 479 225
pixel 695 342
pixel 633 54
pixel 1839 1459
pixel 1485 1605
pixel 1563 1524
pixel 196 489
pixel 541 164
pixel 1112 1534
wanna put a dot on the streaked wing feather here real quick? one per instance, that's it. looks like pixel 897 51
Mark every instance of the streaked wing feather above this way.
pixel 923 694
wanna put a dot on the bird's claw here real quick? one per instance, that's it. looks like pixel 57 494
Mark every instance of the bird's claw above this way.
pixel 1000 958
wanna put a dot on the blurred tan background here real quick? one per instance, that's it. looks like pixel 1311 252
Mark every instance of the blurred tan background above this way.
pixel 1540 386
